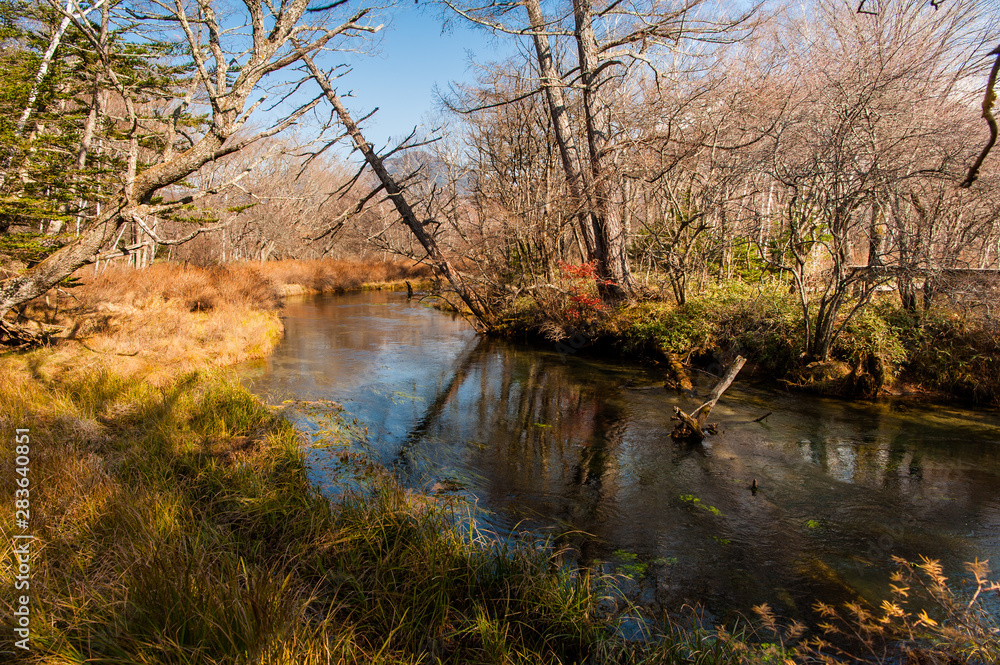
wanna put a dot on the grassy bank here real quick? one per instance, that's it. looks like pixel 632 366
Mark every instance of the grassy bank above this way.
pixel 193 317
pixel 175 522
pixel 295 277
pixel 883 349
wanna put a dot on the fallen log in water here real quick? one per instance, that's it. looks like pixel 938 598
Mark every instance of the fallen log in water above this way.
pixel 679 375
pixel 692 427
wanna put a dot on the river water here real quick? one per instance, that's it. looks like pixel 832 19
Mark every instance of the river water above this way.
pixel 549 442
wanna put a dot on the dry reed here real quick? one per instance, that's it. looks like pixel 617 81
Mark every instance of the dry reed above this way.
pixel 171 317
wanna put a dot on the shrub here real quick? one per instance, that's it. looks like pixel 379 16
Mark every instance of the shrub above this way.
pixel 873 345
pixel 958 356
pixel 585 305
pixel 760 322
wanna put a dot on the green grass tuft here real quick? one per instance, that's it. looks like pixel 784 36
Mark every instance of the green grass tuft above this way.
pixel 178 525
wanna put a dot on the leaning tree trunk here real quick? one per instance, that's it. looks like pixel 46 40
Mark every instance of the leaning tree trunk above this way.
pixel 43 70
pixel 84 248
pixel 61 263
pixel 395 193
pixel 692 427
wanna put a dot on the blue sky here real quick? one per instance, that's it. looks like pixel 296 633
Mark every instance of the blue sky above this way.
pixel 413 56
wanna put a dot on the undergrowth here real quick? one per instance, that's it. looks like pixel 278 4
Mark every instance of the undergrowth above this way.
pixel 178 525
pixel 881 348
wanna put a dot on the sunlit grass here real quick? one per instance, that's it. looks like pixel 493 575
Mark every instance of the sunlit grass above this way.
pixel 177 525
pixel 318 276
pixel 175 522
pixel 171 318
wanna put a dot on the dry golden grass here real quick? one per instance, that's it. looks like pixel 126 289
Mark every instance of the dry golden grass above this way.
pixel 257 285
pixel 171 318
pixel 328 275
pixel 154 340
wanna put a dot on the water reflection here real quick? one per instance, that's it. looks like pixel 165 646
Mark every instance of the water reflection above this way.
pixel 562 443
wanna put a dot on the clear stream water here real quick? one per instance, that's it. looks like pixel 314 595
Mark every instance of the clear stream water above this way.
pixel 557 443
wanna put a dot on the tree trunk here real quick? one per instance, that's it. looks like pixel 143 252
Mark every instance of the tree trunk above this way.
pixel 907 293
pixel 611 242
pixel 43 70
pixel 692 427
pixel 63 261
pixel 552 83
pixel 395 193
pixel 82 249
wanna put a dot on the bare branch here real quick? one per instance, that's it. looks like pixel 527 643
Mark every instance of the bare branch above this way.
pixel 989 99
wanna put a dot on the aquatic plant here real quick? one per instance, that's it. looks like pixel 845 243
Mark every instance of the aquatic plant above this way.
pixel 692 500
pixel 628 564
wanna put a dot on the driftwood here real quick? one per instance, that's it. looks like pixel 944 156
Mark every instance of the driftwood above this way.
pixel 26 334
pixel 680 376
pixel 692 427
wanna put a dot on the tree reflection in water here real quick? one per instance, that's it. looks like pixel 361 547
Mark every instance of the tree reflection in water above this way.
pixel 559 443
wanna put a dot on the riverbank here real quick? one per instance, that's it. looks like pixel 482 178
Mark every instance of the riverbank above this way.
pixel 884 350
pixel 195 317
pixel 176 524
pixel 174 521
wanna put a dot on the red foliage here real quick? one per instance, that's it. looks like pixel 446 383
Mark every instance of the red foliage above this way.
pixel 582 271
pixel 584 305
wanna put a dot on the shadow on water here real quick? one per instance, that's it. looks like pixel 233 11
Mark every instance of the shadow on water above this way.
pixel 557 443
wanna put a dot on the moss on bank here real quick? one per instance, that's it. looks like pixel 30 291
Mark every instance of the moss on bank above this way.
pixel 883 349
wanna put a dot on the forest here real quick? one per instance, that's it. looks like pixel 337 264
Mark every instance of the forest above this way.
pixel 810 186
pixel 834 151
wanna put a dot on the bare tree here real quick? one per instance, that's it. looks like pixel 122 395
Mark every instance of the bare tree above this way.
pixel 482 316
pixel 230 62
pixel 614 43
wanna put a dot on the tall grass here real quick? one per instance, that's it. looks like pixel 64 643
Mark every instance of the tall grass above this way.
pixel 323 275
pixel 925 620
pixel 175 523
pixel 171 318
pixel 257 285
pixel 178 525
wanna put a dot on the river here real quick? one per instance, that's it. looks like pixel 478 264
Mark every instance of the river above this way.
pixel 552 443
